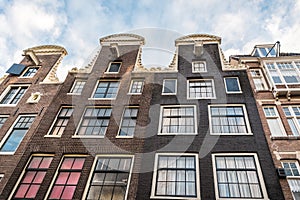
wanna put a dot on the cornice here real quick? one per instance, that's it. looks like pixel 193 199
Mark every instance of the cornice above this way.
pixel 191 39
pixel 46 49
pixel 122 38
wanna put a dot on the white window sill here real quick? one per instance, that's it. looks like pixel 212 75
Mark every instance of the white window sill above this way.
pixel 174 198
pixel 8 105
pixel 201 98
pixel 168 94
pixel 88 136
pixel 77 94
pixel 177 134
pixel 231 134
pixel 95 99
pixel 124 137
pixel 52 136
pixel 7 153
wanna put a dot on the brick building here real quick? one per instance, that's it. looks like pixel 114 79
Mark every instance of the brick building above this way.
pixel 117 130
pixel 275 82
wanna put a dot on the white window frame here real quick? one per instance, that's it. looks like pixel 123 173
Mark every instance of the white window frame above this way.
pixel 163 92
pixel 131 84
pixel 291 161
pixel 4 116
pixel 258 169
pixel 121 121
pixel 27 68
pixel 293 180
pixel 24 171
pixel 5 92
pixel 201 80
pixel 96 86
pixel 238 82
pixel 9 132
pixel 177 106
pixel 82 117
pixel 278 119
pixel 57 170
pixel 230 105
pixel 108 72
pixel 154 178
pixel 293 117
pixel 73 86
pixel 199 62
pixel 54 121
pixel 86 190
pixel 259 77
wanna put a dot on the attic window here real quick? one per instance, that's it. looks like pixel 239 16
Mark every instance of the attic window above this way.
pixel 16 69
pixel 265 52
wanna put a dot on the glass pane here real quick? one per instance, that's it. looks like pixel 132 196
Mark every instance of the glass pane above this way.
pixel 46 162
pixel 67 163
pixel 78 164
pixel 232 84
pixel 56 192
pixel 119 193
pixel 21 191
pixel 68 192
pixel 73 179
pixel 35 162
pixel 62 178
pixel 39 177
pixel 32 191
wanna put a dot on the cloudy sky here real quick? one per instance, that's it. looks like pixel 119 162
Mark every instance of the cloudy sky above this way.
pixel 77 25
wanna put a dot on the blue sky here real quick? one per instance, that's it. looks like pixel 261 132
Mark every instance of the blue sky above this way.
pixel 77 25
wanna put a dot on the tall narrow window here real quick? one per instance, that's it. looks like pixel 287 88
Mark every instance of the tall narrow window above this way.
pixel 77 87
pixel 33 177
pixel 128 122
pixel 178 120
pixel 229 119
pixel 13 94
pixel 274 122
pixel 12 140
pixel 110 178
pixel 61 121
pixel 292 114
pixel 232 85
pixel 201 89
pixel 291 168
pixel 238 176
pixel 175 176
pixel 67 178
pixel 94 121
pixel 30 72
pixel 169 87
pixel 136 86
pixel 114 67
pixel 258 79
pixel 106 89
pixel 3 118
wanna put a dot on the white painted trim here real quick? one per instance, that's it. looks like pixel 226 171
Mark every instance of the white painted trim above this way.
pixel 233 92
pixel 230 105
pixel 199 61
pixel 86 190
pixel 4 116
pixel 54 121
pixel 27 68
pixel 200 80
pixel 24 171
pixel 108 68
pixel 95 88
pixel 4 93
pixel 258 169
pixel 278 118
pixel 131 83
pixel 121 121
pixel 74 84
pixel 163 93
pixel 176 106
pixel 291 161
pixel 8 133
pixel 153 196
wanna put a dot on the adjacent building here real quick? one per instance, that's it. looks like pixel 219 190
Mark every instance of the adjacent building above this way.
pixel 115 129
pixel 275 81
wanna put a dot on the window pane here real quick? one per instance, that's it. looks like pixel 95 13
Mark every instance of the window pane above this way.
pixel 232 85
pixel 169 86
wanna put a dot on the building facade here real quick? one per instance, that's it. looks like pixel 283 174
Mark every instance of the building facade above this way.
pixel 117 130
pixel 275 81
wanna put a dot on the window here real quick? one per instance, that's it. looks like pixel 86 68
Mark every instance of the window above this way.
pixel 274 122
pixel 238 176
pixel 291 168
pixel 169 87
pixel 258 79
pixel 94 121
pixel 110 178
pixel 176 176
pixel 265 52
pixel 232 85
pixel 33 177
pixel 3 118
pixel 11 141
pixel 106 89
pixel 13 94
pixel 114 67
pixel 67 178
pixel 128 122
pixel 201 89
pixel 61 121
pixel 283 73
pixel 77 87
pixel 1 176
pixel 229 119
pixel 199 66
pixel 292 114
pixel 136 87
pixel 178 120
pixel 30 72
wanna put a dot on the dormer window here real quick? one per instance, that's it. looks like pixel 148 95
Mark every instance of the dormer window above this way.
pixel 30 72
pixel 268 50
pixel 114 67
